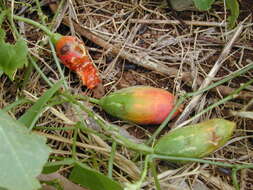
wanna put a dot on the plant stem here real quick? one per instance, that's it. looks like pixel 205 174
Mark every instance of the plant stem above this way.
pixel 74 155
pixel 58 65
pixel 144 172
pixel 15 31
pixel 112 155
pixel 234 179
pixel 34 23
pixel 39 70
pixel 93 100
pixel 231 76
pixel 86 98
pixel 40 13
pixel 154 173
pixel 222 101
pixel 165 122
pixel 173 158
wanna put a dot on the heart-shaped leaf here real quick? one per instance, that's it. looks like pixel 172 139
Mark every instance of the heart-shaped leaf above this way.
pixel 22 157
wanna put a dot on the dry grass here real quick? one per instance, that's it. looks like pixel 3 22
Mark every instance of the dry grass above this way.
pixel 142 43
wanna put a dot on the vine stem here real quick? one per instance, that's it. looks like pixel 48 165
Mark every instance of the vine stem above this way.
pixel 138 184
pixel 222 101
pixel 87 98
pixel 34 23
pixel 58 64
pixel 222 164
pixel 154 173
pixel 54 36
pixel 165 122
pixel 112 157
pixel 226 79
pixel 234 179
pixel 183 98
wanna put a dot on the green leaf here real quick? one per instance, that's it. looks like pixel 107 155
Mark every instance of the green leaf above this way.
pixel 233 6
pixel 92 179
pixel 51 167
pixel 203 5
pixel 22 157
pixel 12 57
pixel 30 117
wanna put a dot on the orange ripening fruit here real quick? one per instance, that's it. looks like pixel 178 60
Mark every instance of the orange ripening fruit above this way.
pixel 73 55
pixel 140 104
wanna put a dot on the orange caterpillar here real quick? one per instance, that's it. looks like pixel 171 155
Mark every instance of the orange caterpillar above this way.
pixel 73 55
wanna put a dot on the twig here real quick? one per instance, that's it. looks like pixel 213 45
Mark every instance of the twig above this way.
pixel 140 59
pixel 196 23
pixel 190 107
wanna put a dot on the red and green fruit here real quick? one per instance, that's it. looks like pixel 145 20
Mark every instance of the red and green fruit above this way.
pixel 140 104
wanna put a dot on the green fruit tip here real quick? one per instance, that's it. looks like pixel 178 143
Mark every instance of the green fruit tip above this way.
pixel 55 37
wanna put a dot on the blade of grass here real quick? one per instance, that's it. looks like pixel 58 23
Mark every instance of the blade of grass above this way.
pixel 15 104
pixel 30 117
pixel 74 142
pixel 39 70
pixel 112 155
